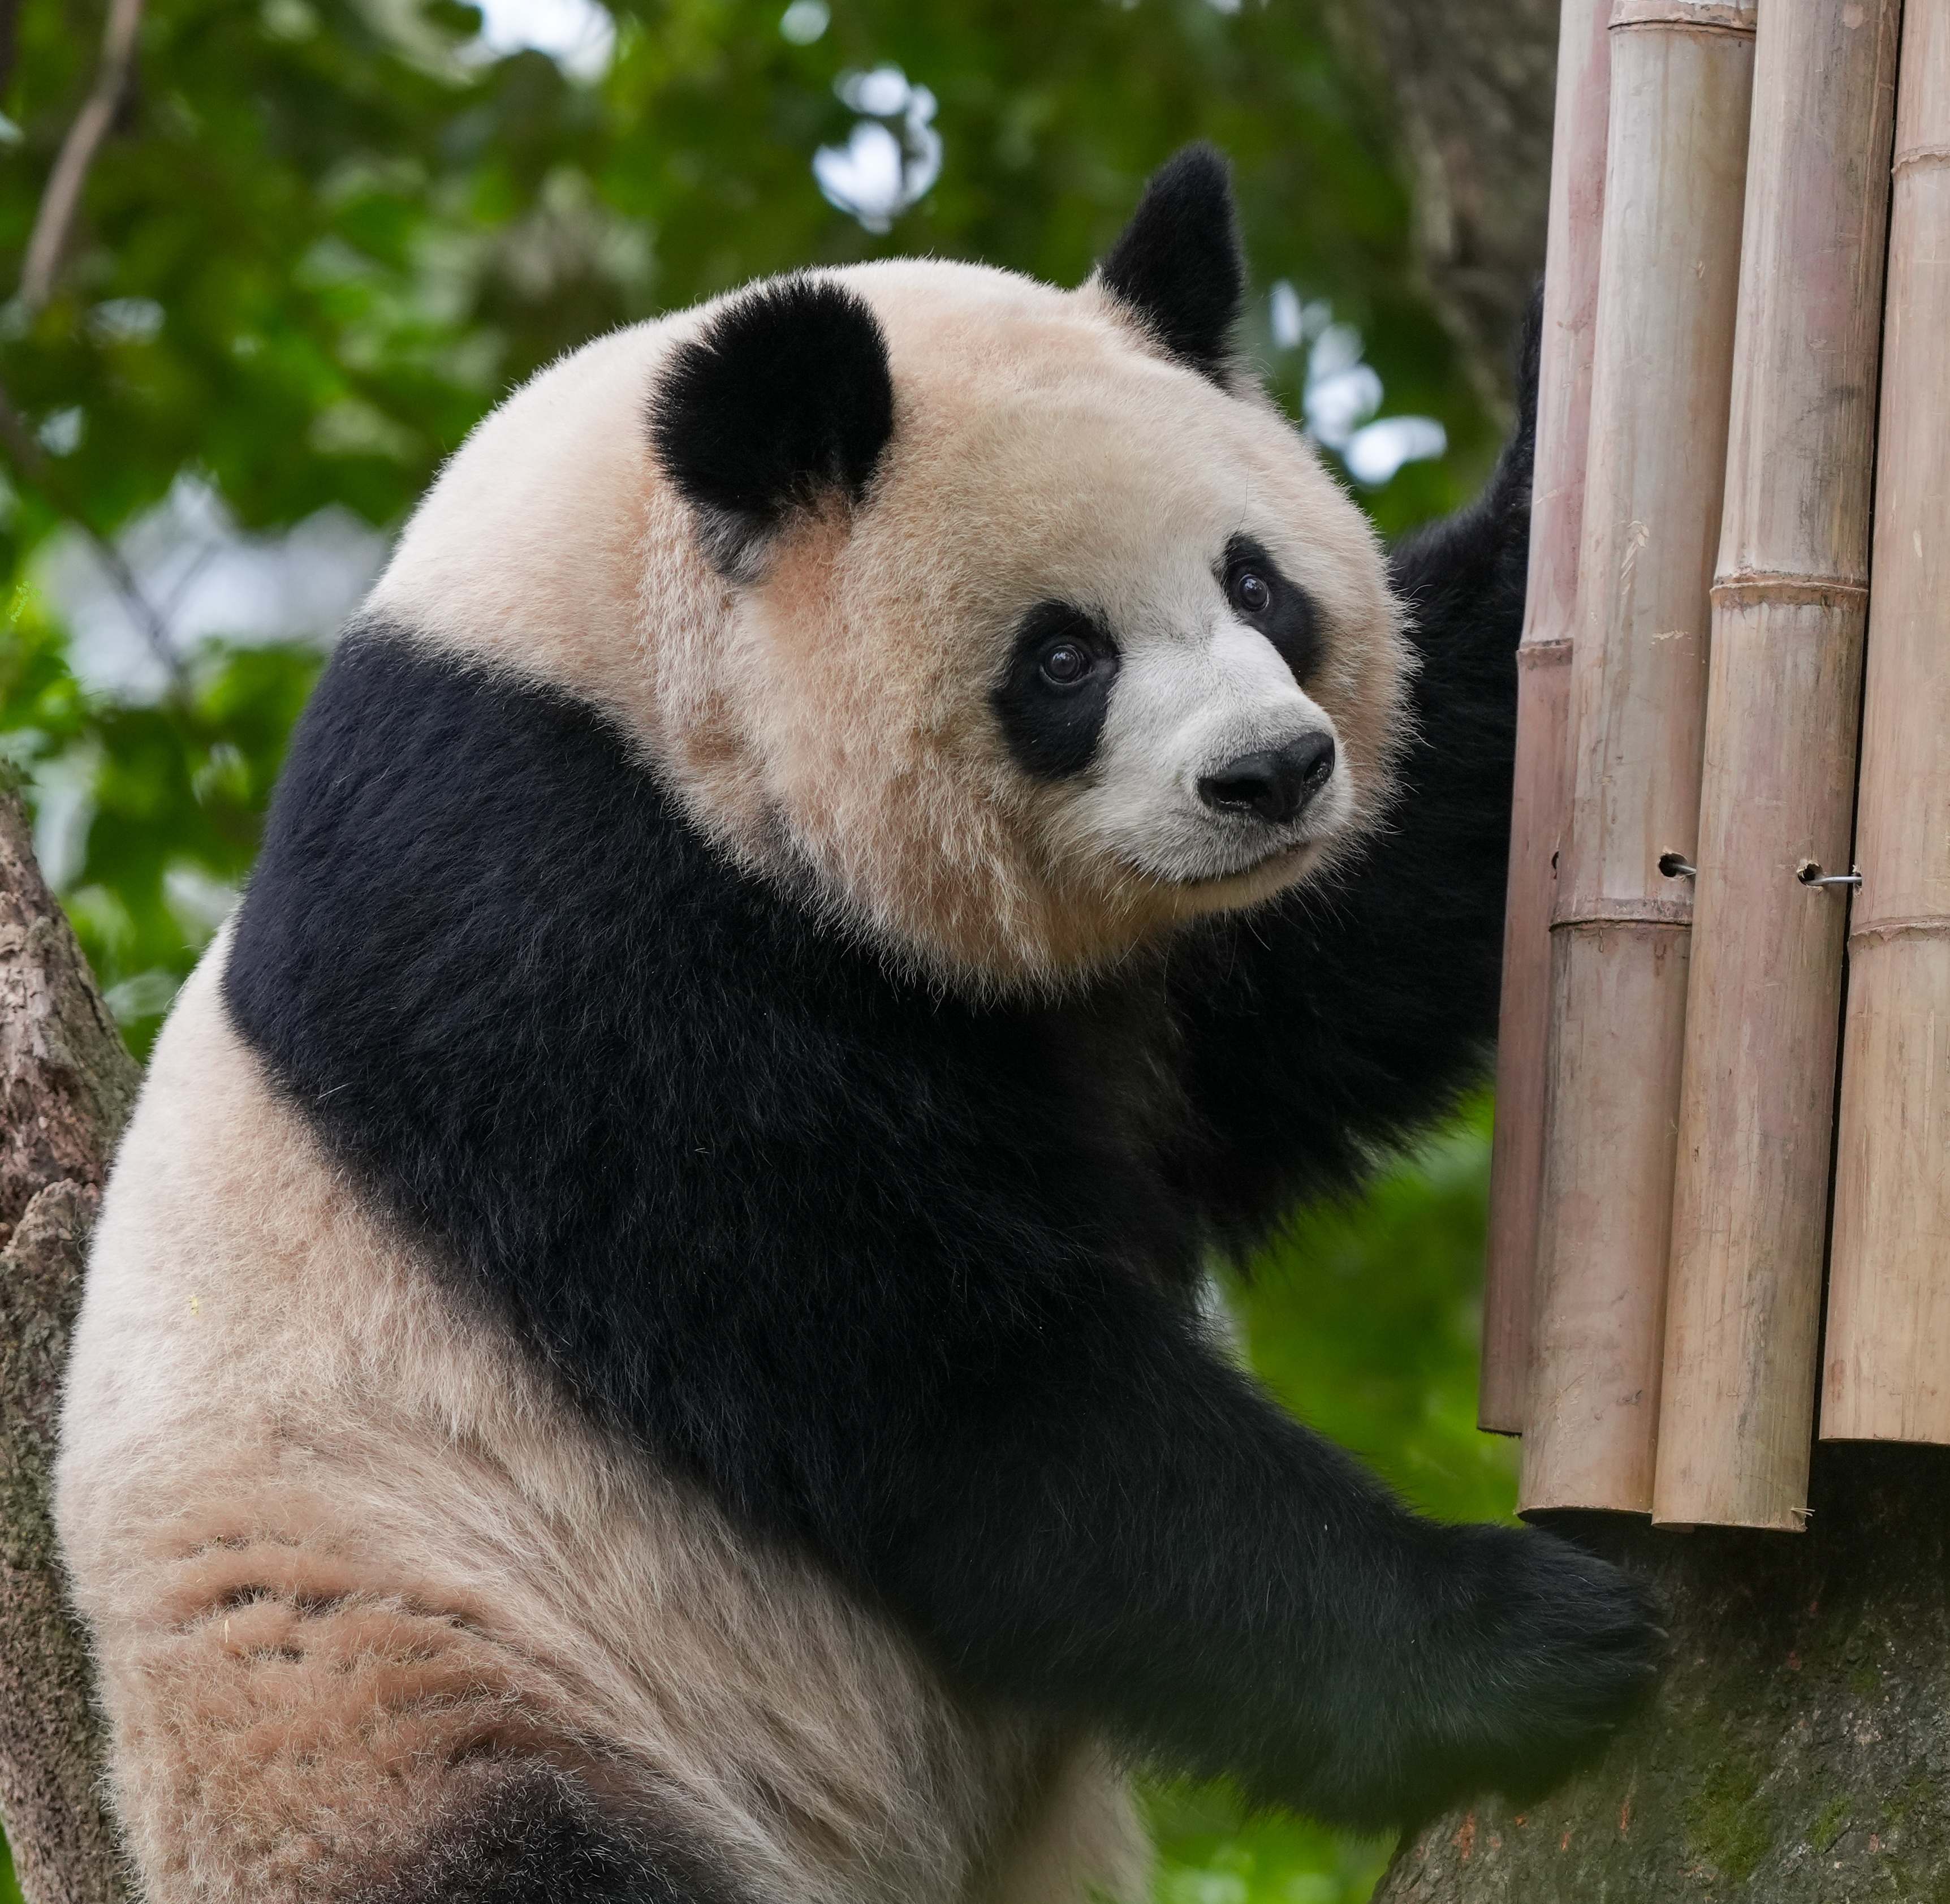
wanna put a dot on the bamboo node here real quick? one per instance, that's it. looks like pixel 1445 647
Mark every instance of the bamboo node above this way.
pixel 1915 157
pixel 1743 585
pixel 1876 932
pixel 1600 913
pixel 1554 651
pixel 1686 16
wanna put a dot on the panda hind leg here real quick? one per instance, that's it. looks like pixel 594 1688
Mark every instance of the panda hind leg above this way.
pixel 534 1835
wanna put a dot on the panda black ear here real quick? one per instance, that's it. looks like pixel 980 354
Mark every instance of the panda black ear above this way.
pixel 784 398
pixel 1178 266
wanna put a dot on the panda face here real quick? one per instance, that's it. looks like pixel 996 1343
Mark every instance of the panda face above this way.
pixel 1193 751
pixel 1097 649
pixel 1008 628
pixel 1042 631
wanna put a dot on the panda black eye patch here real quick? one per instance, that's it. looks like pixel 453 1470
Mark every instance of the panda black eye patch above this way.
pixel 1052 698
pixel 1262 597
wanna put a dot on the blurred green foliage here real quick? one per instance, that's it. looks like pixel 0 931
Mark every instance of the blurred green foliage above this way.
pixel 325 235
pixel 328 234
pixel 1363 1320
pixel 171 795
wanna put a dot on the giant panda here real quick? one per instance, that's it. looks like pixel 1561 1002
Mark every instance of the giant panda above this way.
pixel 644 1341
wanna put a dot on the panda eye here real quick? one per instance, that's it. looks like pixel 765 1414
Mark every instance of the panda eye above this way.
pixel 1252 593
pixel 1066 664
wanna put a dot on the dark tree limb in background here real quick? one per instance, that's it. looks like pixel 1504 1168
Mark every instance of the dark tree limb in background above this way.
pixel 32 465
pixel 61 200
pixel 65 1085
pixel 9 42
pixel 1474 83
pixel 54 220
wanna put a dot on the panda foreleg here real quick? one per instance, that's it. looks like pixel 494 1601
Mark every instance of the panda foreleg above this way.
pixel 1131 1535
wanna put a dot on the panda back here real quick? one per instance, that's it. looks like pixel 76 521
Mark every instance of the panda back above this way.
pixel 321 1522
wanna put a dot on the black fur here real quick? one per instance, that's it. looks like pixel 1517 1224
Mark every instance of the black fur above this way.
pixel 785 398
pixel 1179 264
pixel 1289 621
pixel 899 1277
pixel 1053 727
pixel 532 1835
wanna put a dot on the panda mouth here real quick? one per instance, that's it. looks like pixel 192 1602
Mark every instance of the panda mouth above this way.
pixel 1279 854
pixel 1274 856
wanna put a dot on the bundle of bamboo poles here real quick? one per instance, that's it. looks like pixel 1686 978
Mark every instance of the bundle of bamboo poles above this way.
pixel 1704 653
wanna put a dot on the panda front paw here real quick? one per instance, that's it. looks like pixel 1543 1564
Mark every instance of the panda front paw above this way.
pixel 1568 1644
pixel 1545 1648
pixel 1530 1654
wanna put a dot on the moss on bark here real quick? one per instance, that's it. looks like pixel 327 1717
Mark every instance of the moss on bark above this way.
pixel 1799 1750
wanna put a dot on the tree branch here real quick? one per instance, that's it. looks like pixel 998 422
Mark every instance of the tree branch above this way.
pixel 1474 87
pixel 66 1082
pixel 32 462
pixel 1797 1748
pixel 61 202
pixel 46 245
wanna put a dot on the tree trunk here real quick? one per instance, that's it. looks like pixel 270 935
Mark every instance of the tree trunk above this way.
pixel 1798 1749
pixel 1475 84
pixel 65 1085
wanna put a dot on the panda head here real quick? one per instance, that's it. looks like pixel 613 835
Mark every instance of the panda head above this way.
pixel 1044 631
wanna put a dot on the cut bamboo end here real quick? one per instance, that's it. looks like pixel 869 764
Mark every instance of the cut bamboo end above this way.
pixel 1541 796
pixel 1887 1372
pixel 1675 175
pixel 1743 1303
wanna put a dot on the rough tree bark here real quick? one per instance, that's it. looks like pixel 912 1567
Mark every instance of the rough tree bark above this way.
pixel 1799 1751
pixel 65 1085
pixel 1474 83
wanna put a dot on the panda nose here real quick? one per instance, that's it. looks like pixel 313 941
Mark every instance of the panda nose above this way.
pixel 1274 783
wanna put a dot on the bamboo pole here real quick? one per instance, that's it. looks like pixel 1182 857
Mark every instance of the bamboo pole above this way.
pixel 1790 605
pixel 1675 173
pixel 1541 796
pixel 1888 1358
